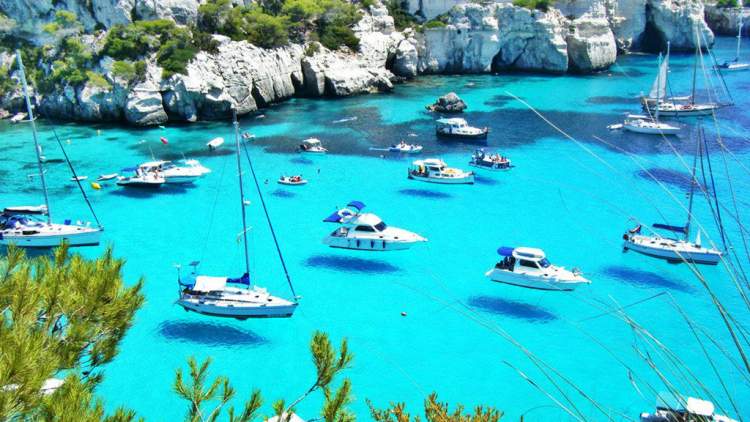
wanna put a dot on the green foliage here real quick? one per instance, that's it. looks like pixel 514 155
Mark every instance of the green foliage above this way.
pixel 542 5
pixel 97 80
pixel 124 70
pixel 264 30
pixel 6 83
pixel 65 21
pixel 727 3
pixel 63 313
pixel 335 36
pixel 401 17
pixel 434 23
pixel 312 49
pixel 435 411
pixel 174 55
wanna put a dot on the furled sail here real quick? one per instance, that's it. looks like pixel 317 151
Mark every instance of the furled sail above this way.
pixel 659 87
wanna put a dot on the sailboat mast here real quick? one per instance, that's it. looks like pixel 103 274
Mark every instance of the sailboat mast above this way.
pixel 242 192
pixel 658 89
pixel 739 30
pixel 30 110
pixel 695 66
pixel 693 181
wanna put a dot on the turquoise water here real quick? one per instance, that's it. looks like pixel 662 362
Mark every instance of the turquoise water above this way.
pixel 561 197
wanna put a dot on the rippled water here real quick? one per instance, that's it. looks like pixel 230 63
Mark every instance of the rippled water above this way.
pixel 559 197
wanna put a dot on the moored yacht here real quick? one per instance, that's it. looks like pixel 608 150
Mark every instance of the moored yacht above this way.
pixel 312 145
pixel 230 297
pixel 670 249
pixel 26 227
pixel 672 409
pixel 142 179
pixel 457 127
pixel 172 173
pixel 647 125
pixel 491 161
pixel 366 231
pixel 434 170
pixel 529 267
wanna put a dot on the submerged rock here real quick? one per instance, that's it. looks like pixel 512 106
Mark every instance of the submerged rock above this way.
pixel 448 103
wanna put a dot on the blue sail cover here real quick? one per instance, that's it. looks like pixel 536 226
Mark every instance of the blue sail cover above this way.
pixel 505 251
pixel 335 217
pixel 679 229
pixel 245 279
pixel 356 204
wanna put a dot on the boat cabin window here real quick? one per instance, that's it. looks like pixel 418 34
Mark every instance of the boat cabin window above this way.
pixel 544 263
pixel 380 226
pixel 364 229
pixel 527 263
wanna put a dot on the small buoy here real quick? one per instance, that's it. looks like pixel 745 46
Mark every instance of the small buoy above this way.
pixel 246 202
pixel 403 313
pixel 96 186
pixel 68 141
pixel 164 140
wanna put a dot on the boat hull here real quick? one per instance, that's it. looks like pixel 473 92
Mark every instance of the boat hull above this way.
pixel 477 136
pixel 533 282
pixel 492 167
pixel 468 180
pixel 237 312
pixel 82 236
pixel 672 256
pixel 652 130
pixel 180 179
pixel 378 245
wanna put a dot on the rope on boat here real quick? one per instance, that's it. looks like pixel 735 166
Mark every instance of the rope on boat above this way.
pixel 75 177
pixel 268 217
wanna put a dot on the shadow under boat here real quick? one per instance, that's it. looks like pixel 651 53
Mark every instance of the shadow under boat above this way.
pixel 425 193
pixel 210 334
pixel 511 308
pixel 643 278
pixel 351 264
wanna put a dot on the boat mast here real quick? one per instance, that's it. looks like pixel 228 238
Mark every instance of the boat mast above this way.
pixel 693 180
pixel 695 66
pixel 33 131
pixel 739 30
pixel 658 89
pixel 242 192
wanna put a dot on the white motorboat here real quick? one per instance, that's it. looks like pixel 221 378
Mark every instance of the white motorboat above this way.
pixel 142 180
pixel 495 161
pixel 673 249
pixel 235 297
pixel 670 249
pixel 647 125
pixel 312 145
pixel 457 127
pixel 292 180
pixel 79 178
pixel 27 226
pixel 367 232
pixel 405 148
pixel 172 173
pixel 436 171
pixel 670 408
pixel 529 267
pixel 215 143
pixel 224 297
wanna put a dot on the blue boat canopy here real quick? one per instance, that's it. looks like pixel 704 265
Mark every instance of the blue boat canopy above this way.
pixel 505 251
pixel 359 205
pixel 335 217
pixel 126 169
pixel 245 279
pixel 679 229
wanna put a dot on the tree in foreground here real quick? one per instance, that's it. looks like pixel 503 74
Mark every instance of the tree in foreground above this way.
pixel 207 400
pixel 435 411
pixel 60 316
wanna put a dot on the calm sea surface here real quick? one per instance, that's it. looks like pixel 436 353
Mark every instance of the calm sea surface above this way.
pixel 572 199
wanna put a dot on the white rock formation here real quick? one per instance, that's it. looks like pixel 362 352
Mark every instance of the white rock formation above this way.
pixel 112 12
pixel 726 20
pixel 678 21
pixel 591 44
pixel 181 11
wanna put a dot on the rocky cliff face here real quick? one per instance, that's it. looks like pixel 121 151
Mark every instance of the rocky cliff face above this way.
pixel 576 35
pixel 726 20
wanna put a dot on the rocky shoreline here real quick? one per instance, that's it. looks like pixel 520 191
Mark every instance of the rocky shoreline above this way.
pixel 574 36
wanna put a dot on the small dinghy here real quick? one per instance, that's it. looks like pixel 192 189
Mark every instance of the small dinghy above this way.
pixel 615 126
pixel 529 268
pixel 292 180
pixel 78 178
pixel 215 143
pixel 487 161
pixel 105 177
pixel 436 171
pixel 248 136
pixel 312 145
pixel 367 232
pixel 401 147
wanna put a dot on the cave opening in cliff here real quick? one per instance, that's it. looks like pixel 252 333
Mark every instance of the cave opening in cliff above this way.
pixel 653 39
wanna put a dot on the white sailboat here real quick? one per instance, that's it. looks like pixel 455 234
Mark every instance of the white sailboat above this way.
pixel 366 231
pixel 646 124
pixel 735 63
pixel 234 297
pixel 685 106
pixel 32 227
pixel 674 249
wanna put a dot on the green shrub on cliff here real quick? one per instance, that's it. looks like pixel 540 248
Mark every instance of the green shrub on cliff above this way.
pixel 97 80
pixel 542 5
pixel 402 19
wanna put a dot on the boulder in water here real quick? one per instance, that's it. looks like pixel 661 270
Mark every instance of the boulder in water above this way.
pixel 448 103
